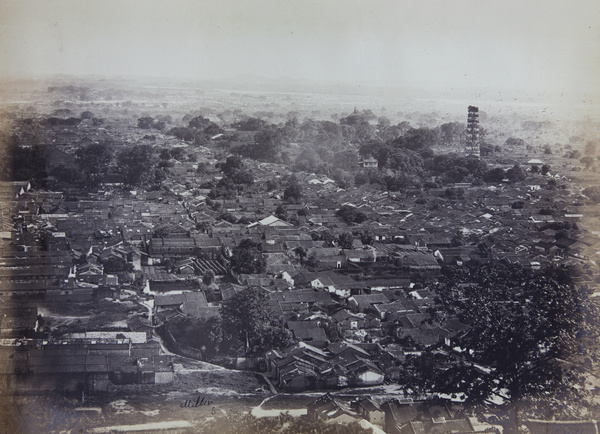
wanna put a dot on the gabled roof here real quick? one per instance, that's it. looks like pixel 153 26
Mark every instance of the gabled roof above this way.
pixel 307 330
pixel 344 314
pixel 366 300
pixel 270 221
pixel 418 259
pixel 360 254
pixel 396 306
pixel 340 347
pixel 368 404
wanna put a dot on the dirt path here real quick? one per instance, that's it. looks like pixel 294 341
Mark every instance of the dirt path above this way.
pixel 258 411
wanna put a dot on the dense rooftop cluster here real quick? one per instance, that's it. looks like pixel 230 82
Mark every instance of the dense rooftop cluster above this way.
pixel 255 245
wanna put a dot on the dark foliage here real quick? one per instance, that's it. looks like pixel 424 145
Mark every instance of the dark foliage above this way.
pixel 247 258
pixel 293 192
pixel 69 122
pixel 350 214
pixel 345 240
pixel 203 334
pixel 248 319
pixel 27 164
pixel 250 124
pixel 135 163
pixel 515 174
pixel 494 175
pixel 520 326
pixel 94 161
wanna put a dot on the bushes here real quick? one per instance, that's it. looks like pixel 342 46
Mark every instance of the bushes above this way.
pixel 350 214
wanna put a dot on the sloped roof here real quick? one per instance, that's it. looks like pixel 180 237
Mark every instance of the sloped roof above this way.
pixel 168 300
pixel 368 299
pixel 306 330
pixel 271 221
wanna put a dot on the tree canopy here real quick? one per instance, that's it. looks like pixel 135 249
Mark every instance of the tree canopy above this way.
pixel 520 326
pixel 248 319
pixel 247 258
pixel 350 214
pixel 94 161
pixel 293 192
pixel 134 164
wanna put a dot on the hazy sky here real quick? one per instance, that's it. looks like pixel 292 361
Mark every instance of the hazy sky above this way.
pixel 525 44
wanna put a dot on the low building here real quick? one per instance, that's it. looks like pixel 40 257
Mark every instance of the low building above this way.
pixel 369 410
pixel 331 410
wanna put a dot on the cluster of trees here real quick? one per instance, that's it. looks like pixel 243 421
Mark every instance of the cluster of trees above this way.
pixel 236 178
pixel 522 326
pixel 250 326
pixel 269 145
pixel 198 131
pixel 148 122
pixel 7 149
pixel 453 134
pixel 94 160
pixel 115 264
pixel 250 124
pixel 404 154
pixel 332 142
pixel 135 164
pixel 498 174
pixel 22 163
pixel 326 140
pixel 401 161
pixel 350 214
pixel 247 257
pixel 166 155
pixel 69 122
pixel 245 326
pixel 61 117
pixel 293 192
pixel 453 168
pixel 345 240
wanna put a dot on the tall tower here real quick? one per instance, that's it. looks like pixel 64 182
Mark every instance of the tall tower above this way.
pixel 472 146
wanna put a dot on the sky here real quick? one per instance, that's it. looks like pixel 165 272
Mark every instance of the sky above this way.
pixel 529 45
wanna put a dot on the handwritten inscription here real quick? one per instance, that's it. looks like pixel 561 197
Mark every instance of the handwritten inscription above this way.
pixel 198 402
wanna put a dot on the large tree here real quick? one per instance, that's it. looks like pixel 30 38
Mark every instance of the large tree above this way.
pixel 350 214
pixel 248 320
pixel 522 327
pixel 345 240
pixel 293 192
pixel 26 163
pixel 247 258
pixel 94 161
pixel 135 163
pixel 268 144
pixel 515 174
pixel 232 164
pixel 452 134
